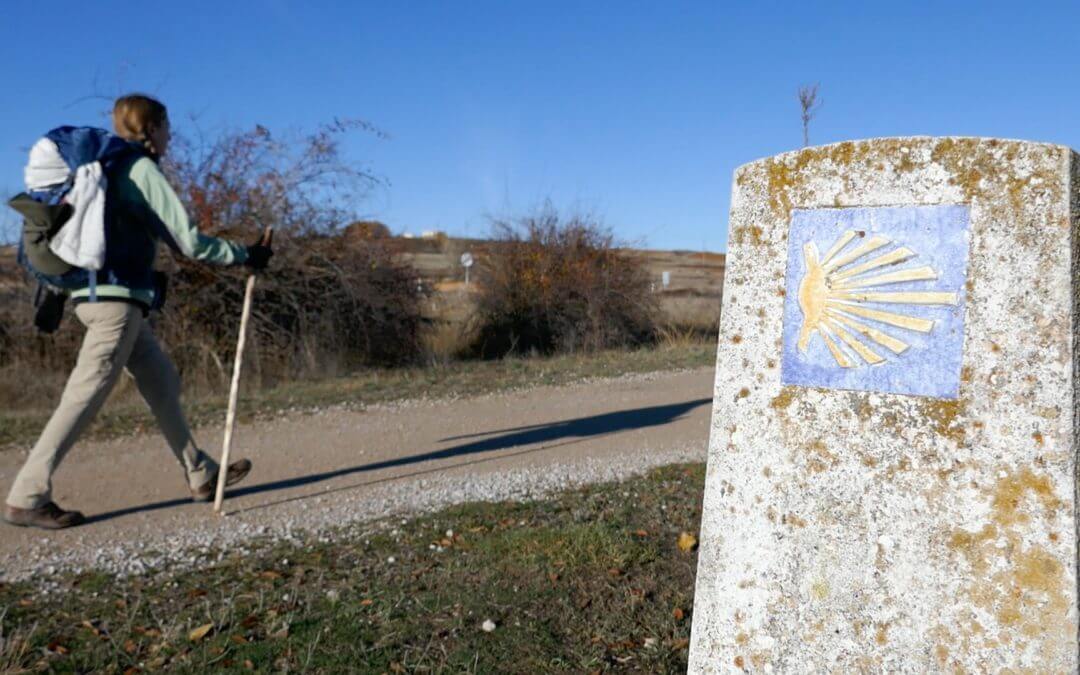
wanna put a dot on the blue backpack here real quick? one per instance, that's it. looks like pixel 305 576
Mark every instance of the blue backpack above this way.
pixel 44 210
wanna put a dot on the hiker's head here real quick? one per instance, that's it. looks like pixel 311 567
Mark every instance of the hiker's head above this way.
pixel 144 120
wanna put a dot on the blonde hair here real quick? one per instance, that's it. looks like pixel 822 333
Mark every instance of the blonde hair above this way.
pixel 135 116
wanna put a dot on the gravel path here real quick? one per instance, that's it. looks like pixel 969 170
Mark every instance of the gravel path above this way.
pixel 316 473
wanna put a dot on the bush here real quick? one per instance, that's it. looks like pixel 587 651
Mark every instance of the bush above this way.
pixel 551 285
pixel 328 306
pixel 330 301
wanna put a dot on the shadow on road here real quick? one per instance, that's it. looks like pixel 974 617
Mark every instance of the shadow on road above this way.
pixel 546 436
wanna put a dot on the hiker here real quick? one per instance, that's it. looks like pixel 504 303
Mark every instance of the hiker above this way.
pixel 140 209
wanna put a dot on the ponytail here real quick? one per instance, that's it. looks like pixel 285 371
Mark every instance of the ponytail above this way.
pixel 135 116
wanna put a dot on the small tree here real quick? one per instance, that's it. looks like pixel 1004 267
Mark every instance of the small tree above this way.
pixel 328 300
pixel 810 103
pixel 549 284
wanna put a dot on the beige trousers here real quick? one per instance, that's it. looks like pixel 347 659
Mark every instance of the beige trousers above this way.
pixel 117 338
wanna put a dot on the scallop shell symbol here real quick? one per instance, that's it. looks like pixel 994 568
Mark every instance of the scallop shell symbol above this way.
pixel 836 288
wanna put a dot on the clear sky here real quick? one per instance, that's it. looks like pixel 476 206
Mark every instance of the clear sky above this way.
pixel 636 111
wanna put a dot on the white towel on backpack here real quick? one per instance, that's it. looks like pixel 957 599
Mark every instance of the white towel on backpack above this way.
pixel 46 168
pixel 81 241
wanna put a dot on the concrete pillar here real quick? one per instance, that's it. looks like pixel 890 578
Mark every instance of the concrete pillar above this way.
pixel 892 466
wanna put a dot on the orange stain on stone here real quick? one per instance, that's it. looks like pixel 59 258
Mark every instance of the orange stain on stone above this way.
pixel 1009 493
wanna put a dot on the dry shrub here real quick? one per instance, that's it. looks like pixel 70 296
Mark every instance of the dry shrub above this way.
pixel 331 300
pixel 326 307
pixel 33 367
pixel 552 285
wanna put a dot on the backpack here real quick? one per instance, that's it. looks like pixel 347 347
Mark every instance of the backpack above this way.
pixel 65 188
pixel 63 235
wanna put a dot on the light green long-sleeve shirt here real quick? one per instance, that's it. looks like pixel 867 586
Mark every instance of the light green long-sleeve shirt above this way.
pixel 144 183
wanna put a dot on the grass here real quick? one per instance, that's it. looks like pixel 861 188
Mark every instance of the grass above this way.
pixel 456 378
pixel 592 580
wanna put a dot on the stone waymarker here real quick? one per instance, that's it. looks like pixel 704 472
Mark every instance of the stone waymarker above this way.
pixel 892 467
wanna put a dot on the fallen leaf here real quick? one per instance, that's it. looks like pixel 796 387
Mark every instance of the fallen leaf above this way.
pixel 239 639
pixel 120 604
pixel 397 667
pixel 445 543
pixel 26 602
pixel 615 572
pixel 553 577
pixel 57 648
pixel 678 614
pixel 270 574
pixel 248 664
pixel 195 593
pixel 250 621
pixel 641 533
pixel 367 602
pixel 132 670
pixel 281 634
pixel 681 643
pixel 200 632
pixel 130 647
pixel 687 542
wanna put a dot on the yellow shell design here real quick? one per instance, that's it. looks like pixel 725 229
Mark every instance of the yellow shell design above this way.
pixel 836 286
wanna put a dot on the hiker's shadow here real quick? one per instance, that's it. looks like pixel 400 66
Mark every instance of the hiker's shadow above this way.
pixel 544 436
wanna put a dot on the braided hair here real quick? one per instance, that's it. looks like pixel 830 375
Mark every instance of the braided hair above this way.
pixel 135 116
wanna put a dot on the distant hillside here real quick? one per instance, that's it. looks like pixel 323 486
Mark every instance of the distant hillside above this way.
pixel 690 272
pixel 692 296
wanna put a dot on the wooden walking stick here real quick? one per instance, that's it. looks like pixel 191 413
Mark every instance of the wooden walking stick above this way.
pixel 234 391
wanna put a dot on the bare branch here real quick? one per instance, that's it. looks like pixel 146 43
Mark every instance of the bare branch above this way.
pixel 809 103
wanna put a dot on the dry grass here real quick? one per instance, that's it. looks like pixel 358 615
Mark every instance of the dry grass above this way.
pixel 445 342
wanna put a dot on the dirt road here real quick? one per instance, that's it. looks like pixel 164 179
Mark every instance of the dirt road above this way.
pixel 337 467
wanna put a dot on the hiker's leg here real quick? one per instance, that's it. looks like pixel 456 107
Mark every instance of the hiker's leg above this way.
pixel 159 385
pixel 111 329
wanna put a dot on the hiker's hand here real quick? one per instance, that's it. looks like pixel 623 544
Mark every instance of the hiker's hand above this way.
pixel 259 253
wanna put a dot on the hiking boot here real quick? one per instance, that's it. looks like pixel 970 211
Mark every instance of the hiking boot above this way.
pixel 236 473
pixel 47 517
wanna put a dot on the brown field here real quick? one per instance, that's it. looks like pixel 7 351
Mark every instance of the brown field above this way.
pixel 692 298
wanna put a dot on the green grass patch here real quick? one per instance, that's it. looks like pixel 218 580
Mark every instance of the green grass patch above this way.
pixel 460 378
pixel 591 580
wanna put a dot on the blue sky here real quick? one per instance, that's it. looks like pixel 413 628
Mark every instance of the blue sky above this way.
pixel 635 111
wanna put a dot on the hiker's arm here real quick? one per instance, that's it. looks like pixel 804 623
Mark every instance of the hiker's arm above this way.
pixel 177 229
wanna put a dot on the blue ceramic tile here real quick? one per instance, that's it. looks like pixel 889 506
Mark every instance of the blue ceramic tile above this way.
pixel 865 306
